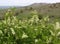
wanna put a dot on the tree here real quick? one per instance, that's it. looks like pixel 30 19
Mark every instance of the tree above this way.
pixel 31 8
pixel 21 11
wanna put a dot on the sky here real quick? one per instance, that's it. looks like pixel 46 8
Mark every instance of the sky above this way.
pixel 24 2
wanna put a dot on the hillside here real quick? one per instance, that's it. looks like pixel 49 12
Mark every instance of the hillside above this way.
pixel 42 8
pixel 53 10
pixel 46 9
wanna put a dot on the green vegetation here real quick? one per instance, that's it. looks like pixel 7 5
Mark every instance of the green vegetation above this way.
pixel 35 30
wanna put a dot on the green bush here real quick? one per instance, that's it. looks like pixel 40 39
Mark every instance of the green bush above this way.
pixel 33 31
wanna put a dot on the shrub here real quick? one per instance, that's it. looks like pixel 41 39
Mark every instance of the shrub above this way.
pixel 33 31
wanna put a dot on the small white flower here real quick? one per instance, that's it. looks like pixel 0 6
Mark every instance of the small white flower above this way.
pixel 57 25
pixel 58 34
pixel 13 32
pixel 4 22
pixel 35 29
pixel 49 40
pixel 24 35
pixel 36 40
pixel 5 29
pixel 46 18
pixel 43 26
pixel 18 27
pixel 52 33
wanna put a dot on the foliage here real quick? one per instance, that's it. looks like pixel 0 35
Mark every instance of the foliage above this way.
pixel 32 31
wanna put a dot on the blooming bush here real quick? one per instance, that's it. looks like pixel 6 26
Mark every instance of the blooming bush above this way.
pixel 32 31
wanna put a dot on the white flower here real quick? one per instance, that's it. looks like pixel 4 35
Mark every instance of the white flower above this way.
pixel 5 29
pixel 18 27
pixel 43 25
pixel 13 32
pixel 52 33
pixel 34 12
pixel 49 40
pixel 58 34
pixel 35 29
pixel 14 18
pixel 4 22
pixel 24 35
pixel 34 19
pixel 36 40
pixel 46 18
pixel 57 25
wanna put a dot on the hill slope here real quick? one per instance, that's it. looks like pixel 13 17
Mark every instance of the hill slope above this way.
pixel 42 8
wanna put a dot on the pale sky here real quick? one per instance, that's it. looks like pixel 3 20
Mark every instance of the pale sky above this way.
pixel 24 2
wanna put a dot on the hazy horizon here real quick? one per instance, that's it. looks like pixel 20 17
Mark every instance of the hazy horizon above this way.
pixel 24 2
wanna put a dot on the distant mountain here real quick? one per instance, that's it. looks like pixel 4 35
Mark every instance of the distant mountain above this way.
pixel 38 4
pixel 6 7
pixel 3 7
